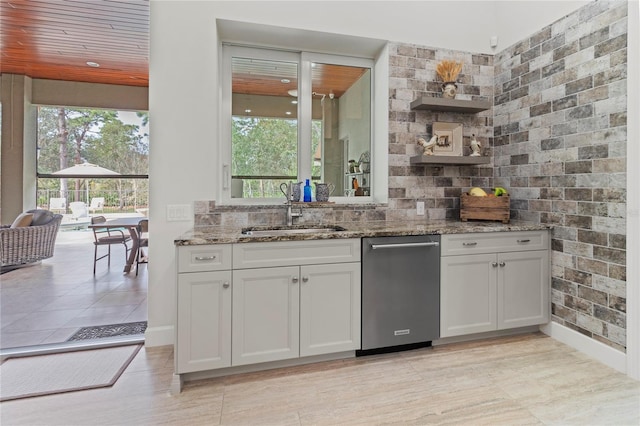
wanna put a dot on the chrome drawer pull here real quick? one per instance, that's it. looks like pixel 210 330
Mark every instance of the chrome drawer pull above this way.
pixel 404 245
pixel 225 284
pixel 202 259
pixel 524 241
pixel 494 264
pixel 502 264
pixel 470 244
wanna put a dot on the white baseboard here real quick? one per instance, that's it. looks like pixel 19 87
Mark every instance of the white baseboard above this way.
pixel 159 336
pixel 605 354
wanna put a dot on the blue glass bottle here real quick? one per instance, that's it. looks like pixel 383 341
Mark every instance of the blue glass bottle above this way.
pixel 307 192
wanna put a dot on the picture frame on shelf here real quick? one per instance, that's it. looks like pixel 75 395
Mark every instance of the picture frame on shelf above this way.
pixel 449 140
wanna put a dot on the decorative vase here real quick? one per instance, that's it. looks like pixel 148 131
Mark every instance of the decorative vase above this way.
pixel 449 90
pixel 323 190
pixel 295 191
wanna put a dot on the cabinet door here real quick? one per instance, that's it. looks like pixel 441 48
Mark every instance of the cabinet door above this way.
pixel 467 294
pixel 204 321
pixel 329 308
pixel 265 314
pixel 523 288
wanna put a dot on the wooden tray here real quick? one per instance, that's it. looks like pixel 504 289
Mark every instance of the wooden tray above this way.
pixel 485 208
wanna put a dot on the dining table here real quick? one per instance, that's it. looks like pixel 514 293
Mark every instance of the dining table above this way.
pixel 131 224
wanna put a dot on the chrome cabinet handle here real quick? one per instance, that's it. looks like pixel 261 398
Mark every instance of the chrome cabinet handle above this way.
pixel 404 245
pixel 502 264
pixel 294 280
pixel 524 241
pixel 204 258
pixel 305 279
pixel 494 264
pixel 470 244
pixel 225 284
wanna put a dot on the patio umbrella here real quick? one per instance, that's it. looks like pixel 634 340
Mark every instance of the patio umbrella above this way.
pixel 85 170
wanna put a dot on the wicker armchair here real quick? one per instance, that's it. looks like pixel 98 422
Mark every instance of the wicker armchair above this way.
pixel 28 244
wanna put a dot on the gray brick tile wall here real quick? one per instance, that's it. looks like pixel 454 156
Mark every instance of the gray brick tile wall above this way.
pixel 582 92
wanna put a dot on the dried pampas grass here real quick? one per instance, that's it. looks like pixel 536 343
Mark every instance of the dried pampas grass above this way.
pixel 449 70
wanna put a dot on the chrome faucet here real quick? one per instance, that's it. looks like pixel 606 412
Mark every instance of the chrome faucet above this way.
pixel 290 213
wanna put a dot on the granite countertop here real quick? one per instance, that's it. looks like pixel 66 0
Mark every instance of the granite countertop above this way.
pixel 231 234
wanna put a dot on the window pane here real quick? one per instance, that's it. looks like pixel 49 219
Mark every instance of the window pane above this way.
pixel 87 151
pixel 115 140
pixel 264 133
pixel 342 106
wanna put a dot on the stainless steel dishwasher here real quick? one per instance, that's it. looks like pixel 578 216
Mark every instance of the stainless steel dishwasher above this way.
pixel 400 293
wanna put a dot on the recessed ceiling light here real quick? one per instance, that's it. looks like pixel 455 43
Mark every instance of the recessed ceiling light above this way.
pixel 247 111
pixel 93 64
pixel 293 92
pixel 288 112
pixel 285 81
pixel 294 102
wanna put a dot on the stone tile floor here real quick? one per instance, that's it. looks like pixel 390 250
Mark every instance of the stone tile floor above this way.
pixel 49 301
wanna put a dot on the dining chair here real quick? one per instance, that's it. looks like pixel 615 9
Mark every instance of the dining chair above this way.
pixel 107 237
pixel 142 233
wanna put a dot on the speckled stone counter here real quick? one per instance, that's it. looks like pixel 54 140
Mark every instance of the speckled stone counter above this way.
pixel 222 235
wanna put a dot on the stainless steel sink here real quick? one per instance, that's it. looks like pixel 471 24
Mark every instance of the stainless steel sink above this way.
pixel 280 231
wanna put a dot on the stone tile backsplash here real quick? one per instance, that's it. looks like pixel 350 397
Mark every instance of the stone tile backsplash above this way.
pixel 557 138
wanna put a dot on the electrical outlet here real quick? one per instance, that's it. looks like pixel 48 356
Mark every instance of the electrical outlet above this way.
pixel 420 208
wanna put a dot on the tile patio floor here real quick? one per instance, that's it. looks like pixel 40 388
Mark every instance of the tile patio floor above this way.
pixel 49 301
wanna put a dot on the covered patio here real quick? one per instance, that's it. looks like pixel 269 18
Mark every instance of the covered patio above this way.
pixel 47 302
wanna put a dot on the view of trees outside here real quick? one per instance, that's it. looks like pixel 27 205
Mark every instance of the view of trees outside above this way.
pixel 70 136
pixel 265 154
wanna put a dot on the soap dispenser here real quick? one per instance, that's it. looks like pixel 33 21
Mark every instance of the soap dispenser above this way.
pixel 307 192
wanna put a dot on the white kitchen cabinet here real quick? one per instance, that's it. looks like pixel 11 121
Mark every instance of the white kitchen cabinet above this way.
pixel 483 289
pixel 287 312
pixel 468 295
pixel 203 328
pixel 266 306
pixel 293 304
pixel 329 308
pixel 523 288
pixel 250 303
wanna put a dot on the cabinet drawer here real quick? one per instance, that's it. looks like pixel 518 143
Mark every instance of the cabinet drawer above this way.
pixel 493 242
pixel 283 253
pixel 204 258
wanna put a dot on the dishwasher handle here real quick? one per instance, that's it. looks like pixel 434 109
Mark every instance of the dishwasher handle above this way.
pixel 405 245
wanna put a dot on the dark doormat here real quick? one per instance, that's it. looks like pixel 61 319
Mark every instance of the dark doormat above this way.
pixel 111 330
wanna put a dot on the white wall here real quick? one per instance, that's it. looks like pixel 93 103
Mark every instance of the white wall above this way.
pixel 183 100
pixel 184 92
pixel 517 19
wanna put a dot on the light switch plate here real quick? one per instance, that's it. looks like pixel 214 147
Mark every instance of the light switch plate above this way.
pixel 420 208
pixel 178 212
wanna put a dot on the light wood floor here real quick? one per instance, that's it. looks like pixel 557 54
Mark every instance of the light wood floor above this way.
pixel 529 379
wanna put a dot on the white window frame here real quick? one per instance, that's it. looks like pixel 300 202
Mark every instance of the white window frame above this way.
pixel 304 61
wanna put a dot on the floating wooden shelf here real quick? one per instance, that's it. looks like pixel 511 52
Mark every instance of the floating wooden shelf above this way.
pixel 449 160
pixel 449 105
